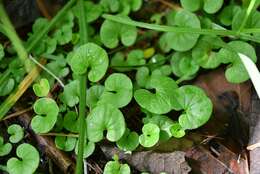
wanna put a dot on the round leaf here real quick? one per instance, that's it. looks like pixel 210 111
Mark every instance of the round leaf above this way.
pixel 5 148
pixel 162 100
pixel 191 5
pixel 119 88
pixel 28 162
pixel 65 143
pixel 212 6
pixel 71 122
pixel 94 94
pixel 47 112
pixel 16 132
pixel 90 56
pixel 105 117
pixel 42 88
pixel 70 95
pixel 177 130
pixel 7 86
pixel 197 107
pixel 129 141
pixel 150 136
pixel 114 167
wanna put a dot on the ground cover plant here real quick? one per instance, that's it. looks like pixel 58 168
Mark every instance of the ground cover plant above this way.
pixel 94 60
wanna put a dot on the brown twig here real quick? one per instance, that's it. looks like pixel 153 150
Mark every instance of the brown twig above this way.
pixel 53 134
pixel 253 146
pixel 169 4
pixel 43 9
pixel 17 114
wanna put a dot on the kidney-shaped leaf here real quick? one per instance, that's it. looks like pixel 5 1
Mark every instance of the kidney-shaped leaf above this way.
pixel 129 141
pixel 162 100
pixel 16 132
pixel 196 105
pixel 191 5
pixel 28 162
pixel 42 88
pixel 47 112
pixel 114 167
pixel 5 148
pixel 93 95
pixel 65 143
pixel 89 57
pixel 70 95
pixel 150 136
pixel 71 122
pixel 105 118
pixel 212 6
pixel 89 148
pixel 118 90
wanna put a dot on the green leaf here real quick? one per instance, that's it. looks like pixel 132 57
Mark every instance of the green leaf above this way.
pixel 227 14
pixel 5 148
pixel 183 64
pixel 94 94
pixel 162 100
pixel 114 167
pixel 130 5
pixel 47 112
pixel 111 32
pixel 110 5
pixel 71 122
pixel 142 76
pixel 129 141
pixel 16 132
pixel 150 136
pixel 177 131
pixel 203 53
pixel 42 88
pixel 89 149
pixel 17 70
pixel 236 72
pixel 65 143
pixel 191 5
pixel 2 53
pixel 28 160
pixel 212 6
pixel 197 107
pixel 7 86
pixel 164 70
pixel 70 95
pixel 181 41
pixel 90 56
pixel 118 87
pixel 105 118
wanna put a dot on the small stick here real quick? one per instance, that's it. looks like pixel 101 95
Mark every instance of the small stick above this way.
pixel 43 9
pixel 253 146
pixel 52 134
pixel 17 114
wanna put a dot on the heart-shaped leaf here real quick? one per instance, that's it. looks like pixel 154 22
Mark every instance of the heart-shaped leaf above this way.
pixel 70 95
pixel 227 14
pixel 16 132
pixel 236 72
pixel 177 131
pixel 90 56
pixel 65 143
pixel 181 41
pixel 212 6
pixel 110 5
pixel 119 88
pixel 47 112
pixel 129 141
pixel 160 102
pixel 93 95
pixel 105 118
pixel 130 5
pixel 150 136
pixel 28 162
pixel 114 167
pixel 42 88
pixel 197 107
pixel 5 148
pixel 71 122
pixel 111 32
pixel 191 5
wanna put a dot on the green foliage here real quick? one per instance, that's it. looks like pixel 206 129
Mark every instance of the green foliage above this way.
pixel 90 56
pixel 177 131
pixel 70 95
pixel 119 88
pixel 150 136
pixel 89 148
pixel 105 118
pixel 28 160
pixel 114 167
pixel 65 143
pixel 42 88
pixel 16 132
pixel 209 6
pixel 129 141
pixel 93 95
pixel 71 122
pixel 227 14
pixel 2 53
pixel 5 148
pixel 47 112
pixel 111 32
pixel 7 86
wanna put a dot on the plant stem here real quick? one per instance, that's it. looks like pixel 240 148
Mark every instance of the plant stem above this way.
pixel 60 134
pixel 45 30
pixel 83 88
pixel 10 32
pixel 23 86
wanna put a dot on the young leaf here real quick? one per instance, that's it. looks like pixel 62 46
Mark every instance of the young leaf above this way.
pixel 71 122
pixel 119 88
pixel 162 100
pixel 164 70
pixel 28 160
pixel 129 141
pixel 90 56
pixel 47 112
pixel 42 88
pixel 111 32
pixel 236 72
pixel 181 41
pixel 93 95
pixel 142 76
pixel 110 5
pixel 150 136
pixel 212 6
pixel 7 86
pixel 177 131
pixel 191 5
pixel 227 14
pixel 197 107
pixel 105 117
pixel 16 132
pixel 5 148
pixel 183 64
pixel 130 5
pixel 114 167
pixel 70 95
pixel 65 143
